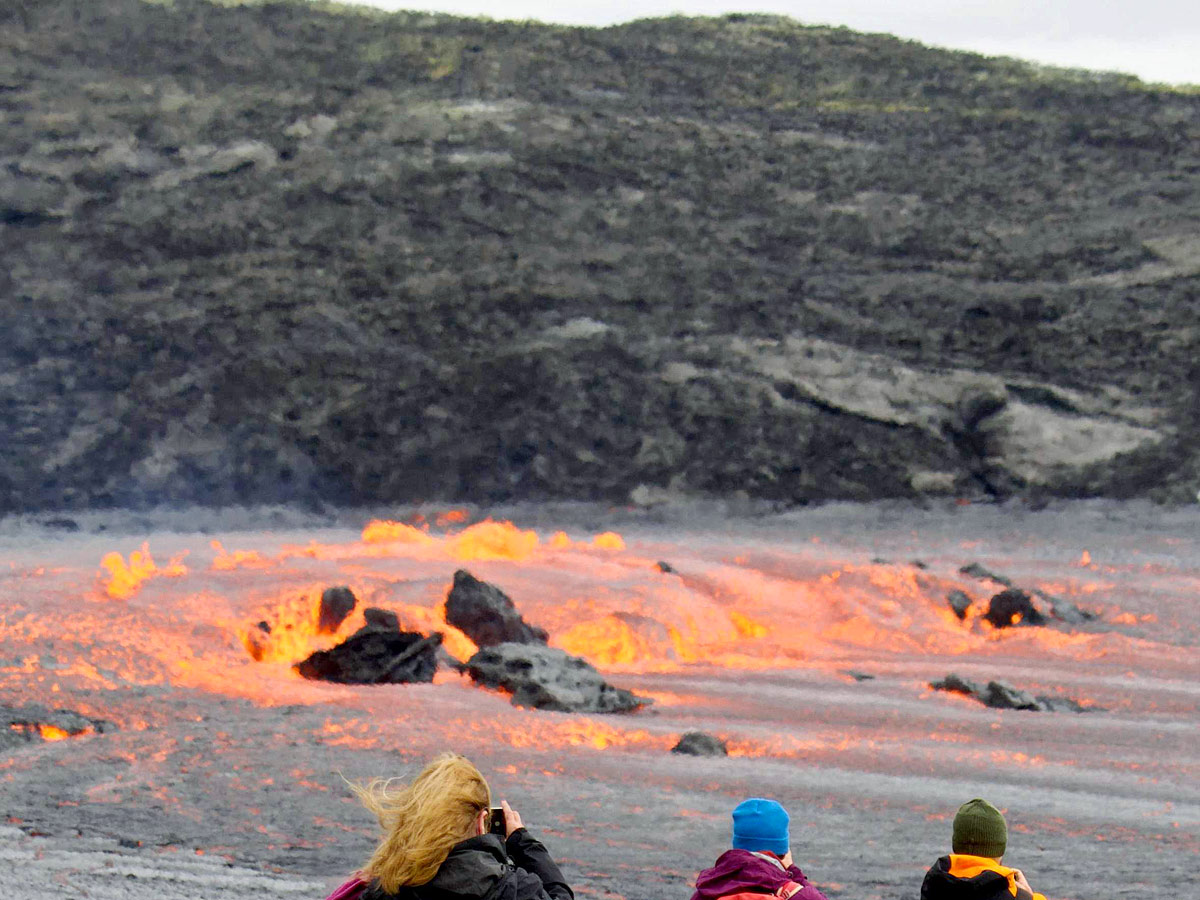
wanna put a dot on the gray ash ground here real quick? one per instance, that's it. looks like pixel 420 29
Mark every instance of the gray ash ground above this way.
pixel 224 776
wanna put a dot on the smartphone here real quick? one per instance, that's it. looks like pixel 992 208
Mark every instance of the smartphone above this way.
pixel 496 820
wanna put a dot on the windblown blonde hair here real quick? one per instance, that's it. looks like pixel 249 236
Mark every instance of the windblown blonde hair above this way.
pixel 421 821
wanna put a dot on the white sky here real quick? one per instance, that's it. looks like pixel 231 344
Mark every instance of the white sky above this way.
pixel 1157 40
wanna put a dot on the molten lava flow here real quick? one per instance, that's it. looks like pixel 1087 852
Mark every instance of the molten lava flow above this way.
pixel 623 639
pixel 386 531
pixel 493 540
pixel 47 732
pixel 238 559
pixel 287 633
pixel 608 540
pixel 747 627
pixel 124 579
pixel 607 642
pixel 52 732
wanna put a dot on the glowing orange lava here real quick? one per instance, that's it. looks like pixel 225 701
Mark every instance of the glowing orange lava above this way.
pixel 124 579
pixel 386 531
pixel 47 732
pixel 608 540
pixel 291 631
pixel 493 540
pixel 238 559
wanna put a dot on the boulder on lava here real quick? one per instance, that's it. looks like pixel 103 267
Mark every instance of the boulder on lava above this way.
pixel 375 655
pixel 32 723
pixel 487 615
pixel 959 602
pixel 700 743
pixel 1058 608
pixel 381 618
pixel 336 604
pixel 542 677
pixel 1013 607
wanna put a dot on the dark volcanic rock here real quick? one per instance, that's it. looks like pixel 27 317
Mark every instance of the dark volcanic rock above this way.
pixel 375 656
pixel 929 284
pixel 381 618
pixel 547 678
pixel 959 602
pixel 975 570
pixel 336 604
pixel 957 685
pixel 1000 695
pixel 33 723
pixel 699 743
pixel 1013 607
pixel 1017 601
pixel 486 614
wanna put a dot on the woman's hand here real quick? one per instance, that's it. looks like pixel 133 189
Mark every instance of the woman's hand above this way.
pixel 1021 881
pixel 512 819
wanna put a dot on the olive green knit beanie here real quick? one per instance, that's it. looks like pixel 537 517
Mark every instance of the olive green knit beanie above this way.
pixel 979 830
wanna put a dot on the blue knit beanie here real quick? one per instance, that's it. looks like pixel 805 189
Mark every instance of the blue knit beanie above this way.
pixel 760 824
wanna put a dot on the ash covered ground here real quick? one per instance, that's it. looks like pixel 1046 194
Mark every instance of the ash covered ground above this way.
pixel 215 775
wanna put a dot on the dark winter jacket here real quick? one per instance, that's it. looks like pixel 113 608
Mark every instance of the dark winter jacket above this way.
pixel 962 877
pixel 487 868
pixel 744 871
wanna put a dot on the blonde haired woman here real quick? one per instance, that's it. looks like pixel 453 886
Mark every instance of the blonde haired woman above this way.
pixel 436 844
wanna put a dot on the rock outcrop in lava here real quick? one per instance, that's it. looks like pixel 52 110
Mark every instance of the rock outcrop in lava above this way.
pixel 425 257
pixel 376 654
pixel 487 615
pixel 700 743
pixel 1001 695
pixel 541 677
pixel 1015 605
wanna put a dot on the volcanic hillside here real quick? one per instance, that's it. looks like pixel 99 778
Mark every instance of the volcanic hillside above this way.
pixel 292 252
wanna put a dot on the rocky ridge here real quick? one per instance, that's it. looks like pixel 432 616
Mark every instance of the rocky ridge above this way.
pixel 298 253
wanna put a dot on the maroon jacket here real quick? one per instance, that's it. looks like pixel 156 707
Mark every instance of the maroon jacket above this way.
pixel 741 871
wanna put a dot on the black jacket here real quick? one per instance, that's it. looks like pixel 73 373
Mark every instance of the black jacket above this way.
pixel 944 882
pixel 486 868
